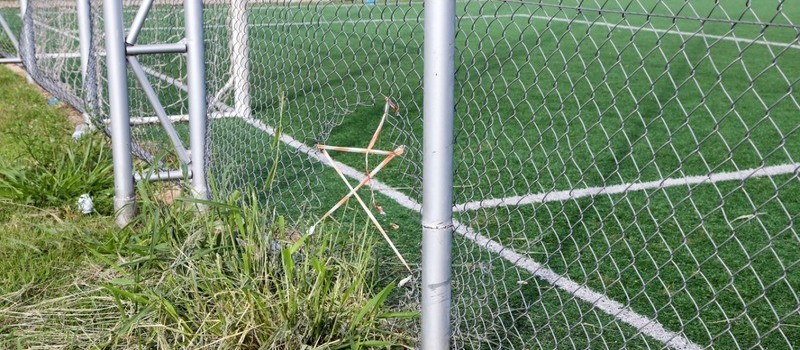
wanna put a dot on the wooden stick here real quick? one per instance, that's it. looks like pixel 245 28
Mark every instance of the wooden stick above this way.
pixel 363 182
pixel 354 150
pixel 366 209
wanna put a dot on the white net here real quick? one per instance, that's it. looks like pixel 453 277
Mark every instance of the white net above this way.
pixel 57 67
pixel 10 28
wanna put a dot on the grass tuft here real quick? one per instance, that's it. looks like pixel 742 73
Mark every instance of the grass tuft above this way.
pixel 229 278
pixel 55 174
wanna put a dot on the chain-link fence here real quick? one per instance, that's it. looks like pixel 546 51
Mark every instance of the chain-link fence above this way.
pixel 629 172
pixel 626 172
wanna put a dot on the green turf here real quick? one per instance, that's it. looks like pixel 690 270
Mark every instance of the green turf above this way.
pixel 547 105
pixel 686 255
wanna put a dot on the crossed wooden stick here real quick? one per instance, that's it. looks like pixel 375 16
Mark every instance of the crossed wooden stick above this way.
pixel 370 174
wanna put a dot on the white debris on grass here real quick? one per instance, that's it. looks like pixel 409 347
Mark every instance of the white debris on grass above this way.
pixel 85 203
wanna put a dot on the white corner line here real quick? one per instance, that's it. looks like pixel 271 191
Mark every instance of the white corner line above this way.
pixel 417 19
pixel 682 34
pixel 643 324
pixel 351 172
pixel 559 196
pixel 648 27
pixel 646 326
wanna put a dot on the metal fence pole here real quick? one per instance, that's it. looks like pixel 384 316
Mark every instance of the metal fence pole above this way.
pixel 240 58
pixel 437 172
pixel 88 82
pixel 27 50
pixel 138 21
pixel 196 78
pixel 124 197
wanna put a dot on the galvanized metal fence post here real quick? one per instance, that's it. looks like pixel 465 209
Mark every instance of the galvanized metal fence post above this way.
pixel 88 62
pixel 138 22
pixel 119 112
pixel 196 79
pixel 27 51
pixel 437 172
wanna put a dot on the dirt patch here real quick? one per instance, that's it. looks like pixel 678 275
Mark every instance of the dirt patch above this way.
pixel 168 193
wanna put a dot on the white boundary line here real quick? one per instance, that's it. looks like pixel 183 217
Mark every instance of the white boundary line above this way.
pixel 682 34
pixel 351 172
pixel 174 118
pixel 559 196
pixel 65 55
pixel 643 324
